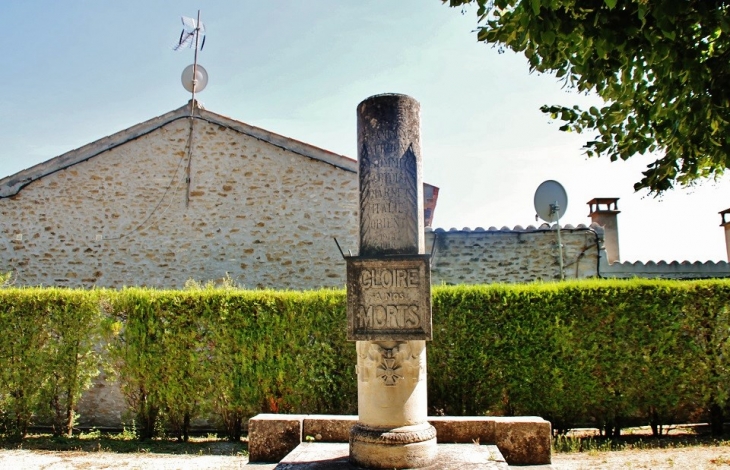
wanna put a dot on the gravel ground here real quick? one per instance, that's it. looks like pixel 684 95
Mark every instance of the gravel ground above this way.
pixel 693 458
pixel 63 460
pixel 690 458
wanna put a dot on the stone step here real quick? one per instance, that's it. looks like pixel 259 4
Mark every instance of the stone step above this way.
pixel 335 456
pixel 522 440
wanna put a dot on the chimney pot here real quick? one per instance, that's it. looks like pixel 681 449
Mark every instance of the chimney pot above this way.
pixel 726 223
pixel 604 212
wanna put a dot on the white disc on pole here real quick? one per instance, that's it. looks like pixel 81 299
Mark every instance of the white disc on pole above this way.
pixel 551 201
pixel 201 76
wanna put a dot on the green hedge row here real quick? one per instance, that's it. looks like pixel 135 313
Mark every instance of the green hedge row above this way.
pixel 180 354
pixel 47 356
pixel 607 353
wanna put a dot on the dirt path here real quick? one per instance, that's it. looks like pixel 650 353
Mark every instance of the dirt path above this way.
pixel 689 458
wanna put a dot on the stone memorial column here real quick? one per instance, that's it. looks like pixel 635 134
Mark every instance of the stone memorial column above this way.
pixel 389 290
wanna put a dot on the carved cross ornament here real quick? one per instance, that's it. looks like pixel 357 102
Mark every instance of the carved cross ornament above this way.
pixel 390 364
pixel 388 369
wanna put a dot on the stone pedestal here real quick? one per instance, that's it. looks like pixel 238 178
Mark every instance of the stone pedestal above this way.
pixel 334 456
pixel 389 303
pixel 393 429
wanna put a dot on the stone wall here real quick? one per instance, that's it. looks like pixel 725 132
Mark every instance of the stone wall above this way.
pixel 264 215
pixel 506 255
pixel 261 208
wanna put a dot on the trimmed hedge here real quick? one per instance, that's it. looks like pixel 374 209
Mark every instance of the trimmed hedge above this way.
pixel 180 354
pixel 606 353
pixel 47 356
pixel 609 353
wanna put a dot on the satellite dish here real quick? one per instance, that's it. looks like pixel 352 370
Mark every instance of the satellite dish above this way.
pixel 551 201
pixel 201 77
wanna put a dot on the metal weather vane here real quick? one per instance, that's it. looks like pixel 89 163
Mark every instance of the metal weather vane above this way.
pixel 192 29
pixel 194 79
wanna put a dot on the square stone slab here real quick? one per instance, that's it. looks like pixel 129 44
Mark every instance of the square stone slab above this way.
pixel 521 440
pixel 335 456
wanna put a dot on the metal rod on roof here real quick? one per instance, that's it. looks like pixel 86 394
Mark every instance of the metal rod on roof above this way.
pixel 190 163
pixel 192 114
pixel 555 209
pixel 195 63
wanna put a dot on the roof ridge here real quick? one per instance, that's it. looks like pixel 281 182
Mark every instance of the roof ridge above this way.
pixel 12 184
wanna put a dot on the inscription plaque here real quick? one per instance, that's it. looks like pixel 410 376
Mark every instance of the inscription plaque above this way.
pixel 389 298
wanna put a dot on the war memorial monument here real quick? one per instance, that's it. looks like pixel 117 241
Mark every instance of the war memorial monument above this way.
pixel 389 319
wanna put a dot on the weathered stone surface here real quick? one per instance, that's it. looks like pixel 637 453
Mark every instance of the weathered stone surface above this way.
pixel 415 452
pixel 271 436
pixel 491 256
pixel 328 428
pixel 331 456
pixel 391 322
pixel 389 298
pixel 103 405
pixel 523 440
pixel 464 429
pixel 389 169
pixel 263 215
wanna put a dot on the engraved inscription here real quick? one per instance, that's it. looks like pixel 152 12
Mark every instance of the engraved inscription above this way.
pixel 388 201
pixel 386 142
pixel 388 316
pixel 390 277
pixel 389 298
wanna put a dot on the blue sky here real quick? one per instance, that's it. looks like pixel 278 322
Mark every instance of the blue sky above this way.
pixel 78 70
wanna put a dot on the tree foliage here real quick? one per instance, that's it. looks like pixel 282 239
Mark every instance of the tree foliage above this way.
pixel 662 68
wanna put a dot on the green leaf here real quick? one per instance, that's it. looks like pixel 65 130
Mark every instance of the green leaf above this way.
pixel 535 6
pixel 548 37
pixel 669 34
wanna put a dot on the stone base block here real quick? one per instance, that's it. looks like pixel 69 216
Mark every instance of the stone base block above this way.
pixel 464 429
pixel 272 436
pixel 406 447
pixel 521 440
pixel 328 428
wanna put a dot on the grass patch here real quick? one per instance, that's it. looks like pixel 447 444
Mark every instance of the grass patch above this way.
pixel 634 439
pixel 124 443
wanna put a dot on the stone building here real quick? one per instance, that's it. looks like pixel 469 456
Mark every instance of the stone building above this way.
pixel 256 206
pixel 206 197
